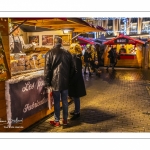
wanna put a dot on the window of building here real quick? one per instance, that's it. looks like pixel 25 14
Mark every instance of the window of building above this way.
pixel 133 26
pixel 145 25
pixel 145 19
pixel 134 20
pixel 122 21
pixel 122 29
pixel 110 28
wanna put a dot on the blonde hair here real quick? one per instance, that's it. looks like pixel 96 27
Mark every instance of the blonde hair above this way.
pixel 75 48
pixel 93 52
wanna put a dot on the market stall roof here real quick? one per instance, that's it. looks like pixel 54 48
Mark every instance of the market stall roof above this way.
pixel 27 28
pixel 85 40
pixel 123 39
pixel 101 39
pixel 75 24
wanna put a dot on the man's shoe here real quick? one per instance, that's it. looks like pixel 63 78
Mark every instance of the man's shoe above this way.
pixel 55 124
pixel 75 116
pixel 65 122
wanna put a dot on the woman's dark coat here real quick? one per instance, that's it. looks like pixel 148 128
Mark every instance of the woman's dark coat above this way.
pixel 77 86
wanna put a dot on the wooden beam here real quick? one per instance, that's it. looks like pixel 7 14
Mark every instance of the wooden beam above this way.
pixel 17 26
pixel 51 24
pixel 45 22
pixel 78 21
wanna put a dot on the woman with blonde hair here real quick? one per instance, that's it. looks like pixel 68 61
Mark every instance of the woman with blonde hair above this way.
pixel 77 86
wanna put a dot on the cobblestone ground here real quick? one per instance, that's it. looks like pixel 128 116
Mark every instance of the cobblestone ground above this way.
pixel 116 101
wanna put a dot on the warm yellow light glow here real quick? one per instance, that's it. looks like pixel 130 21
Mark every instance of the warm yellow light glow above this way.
pixel 65 31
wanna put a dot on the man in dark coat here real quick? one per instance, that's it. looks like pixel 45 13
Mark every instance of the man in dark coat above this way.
pixel 112 55
pixel 87 60
pixel 58 72
pixel 77 86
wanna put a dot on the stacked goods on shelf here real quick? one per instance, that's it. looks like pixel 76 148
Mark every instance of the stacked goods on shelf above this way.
pixel 21 64
pixel 27 62
pixel 17 64
pixel 33 58
pixel 29 50
pixel 42 50
pixel 32 50
pixel 33 63
pixel 41 60
pixel 13 65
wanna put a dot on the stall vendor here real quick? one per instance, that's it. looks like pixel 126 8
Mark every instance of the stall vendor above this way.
pixel 16 41
pixel 122 50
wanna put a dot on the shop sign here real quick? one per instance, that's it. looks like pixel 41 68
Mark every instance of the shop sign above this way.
pixel 121 41
pixel 27 97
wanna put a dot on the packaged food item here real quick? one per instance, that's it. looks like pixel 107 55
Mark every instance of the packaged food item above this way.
pixel 39 57
pixel 21 62
pixel 21 68
pixel 33 66
pixel 11 57
pixel 41 61
pixel 33 62
pixel 13 63
pixel 27 67
pixel 13 69
pixel 27 63
pixel 41 65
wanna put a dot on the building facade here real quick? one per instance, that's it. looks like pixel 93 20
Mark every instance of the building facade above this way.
pixel 135 27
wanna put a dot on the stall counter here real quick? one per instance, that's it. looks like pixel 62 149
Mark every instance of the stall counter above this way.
pixel 25 96
pixel 129 60
pixel 128 56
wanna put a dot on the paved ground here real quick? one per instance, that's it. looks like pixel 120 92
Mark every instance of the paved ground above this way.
pixel 116 102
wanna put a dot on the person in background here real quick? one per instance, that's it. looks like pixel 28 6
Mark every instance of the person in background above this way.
pixel 97 68
pixel 16 41
pixel 112 55
pixel 83 50
pixel 77 86
pixel 122 50
pixel 94 57
pixel 58 71
pixel 87 60
pixel 116 55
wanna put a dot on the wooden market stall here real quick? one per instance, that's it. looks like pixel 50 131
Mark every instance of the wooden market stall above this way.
pixel 133 51
pixel 23 99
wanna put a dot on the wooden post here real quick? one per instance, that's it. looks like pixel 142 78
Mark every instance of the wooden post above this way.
pixel 5 67
pixel 146 57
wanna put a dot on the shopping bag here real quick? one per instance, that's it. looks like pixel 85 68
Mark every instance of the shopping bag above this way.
pixel 50 98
